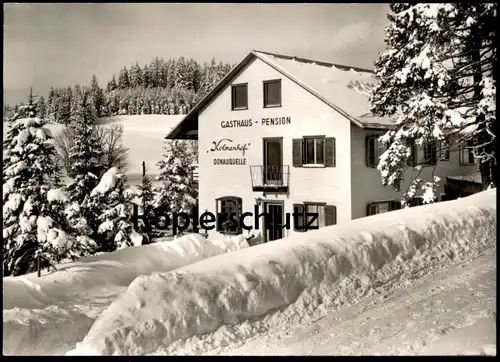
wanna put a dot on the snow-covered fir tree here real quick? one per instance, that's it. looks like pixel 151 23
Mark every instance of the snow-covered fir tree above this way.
pixel 115 220
pixel 85 167
pixel 437 80
pixel 176 192
pixel 97 97
pixel 147 197
pixel 41 108
pixel 32 233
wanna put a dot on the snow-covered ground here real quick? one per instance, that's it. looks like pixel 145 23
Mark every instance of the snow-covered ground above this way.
pixel 219 304
pixel 144 136
pixel 48 315
pixel 449 312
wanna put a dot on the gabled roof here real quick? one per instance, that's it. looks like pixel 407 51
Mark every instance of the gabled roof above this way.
pixel 343 88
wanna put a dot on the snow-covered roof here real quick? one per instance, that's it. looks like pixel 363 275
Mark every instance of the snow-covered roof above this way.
pixel 475 178
pixel 344 88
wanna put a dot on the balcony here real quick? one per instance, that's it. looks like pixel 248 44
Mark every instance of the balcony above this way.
pixel 270 178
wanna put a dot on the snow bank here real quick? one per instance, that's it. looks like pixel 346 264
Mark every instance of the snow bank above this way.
pixel 35 331
pixel 80 291
pixel 230 297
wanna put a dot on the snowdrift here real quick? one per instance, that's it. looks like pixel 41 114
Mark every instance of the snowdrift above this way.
pixel 48 315
pixel 221 300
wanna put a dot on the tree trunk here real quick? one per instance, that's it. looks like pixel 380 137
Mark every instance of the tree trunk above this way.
pixel 486 168
pixel 38 266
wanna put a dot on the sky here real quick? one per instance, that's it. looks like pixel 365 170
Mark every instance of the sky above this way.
pixel 62 45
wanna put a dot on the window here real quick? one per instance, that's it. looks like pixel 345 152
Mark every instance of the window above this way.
pixel 314 151
pixel 317 209
pixel 374 149
pixel 423 154
pixel 383 206
pixel 327 215
pixel 444 150
pixel 239 97
pixel 318 150
pixel 227 206
pixel 466 153
pixel 416 201
pixel 426 154
pixel 272 93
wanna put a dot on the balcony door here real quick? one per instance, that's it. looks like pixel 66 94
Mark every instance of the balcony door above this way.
pixel 273 161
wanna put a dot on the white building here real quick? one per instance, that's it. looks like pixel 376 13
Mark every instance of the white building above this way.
pixel 286 134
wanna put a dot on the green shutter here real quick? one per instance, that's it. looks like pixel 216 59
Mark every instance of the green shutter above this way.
pixel 297 152
pixel 299 209
pixel 433 152
pixel 330 157
pixel 369 152
pixel 395 205
pixel 330 215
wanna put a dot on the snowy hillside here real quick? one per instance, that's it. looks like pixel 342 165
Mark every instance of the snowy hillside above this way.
pixel 223 301
pixel 143 135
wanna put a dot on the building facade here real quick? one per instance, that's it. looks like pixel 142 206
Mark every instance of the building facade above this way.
pixel 289 136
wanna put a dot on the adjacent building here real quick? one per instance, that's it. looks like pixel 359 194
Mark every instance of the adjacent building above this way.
pixel 282 134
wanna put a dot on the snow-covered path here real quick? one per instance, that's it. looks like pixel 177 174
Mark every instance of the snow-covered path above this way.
pixel 449 312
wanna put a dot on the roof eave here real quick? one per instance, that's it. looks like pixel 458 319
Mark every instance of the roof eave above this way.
pixel 380 126
pixel 186 129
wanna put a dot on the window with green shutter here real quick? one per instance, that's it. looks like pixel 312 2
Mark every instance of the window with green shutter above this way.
pixel 314 150
pixel 325 215
pixel 374 149
pixel 381 207
pixel 426 154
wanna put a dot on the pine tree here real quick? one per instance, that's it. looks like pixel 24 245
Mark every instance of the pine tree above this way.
pixel 147 198
pixel 76 102
pixel 65 105
pixel 146 77
pixel 41 108
pixel 85 170
pixel 111 86
pixel 29 173
pixel 135 75
pixel 97 96
pixel 155 71
pixel 115 223
pixel 176 192
pixel 437 79
pixel 123 78
pixel 52 106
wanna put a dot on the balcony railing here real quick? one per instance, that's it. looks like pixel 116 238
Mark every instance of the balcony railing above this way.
pixel 270 178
